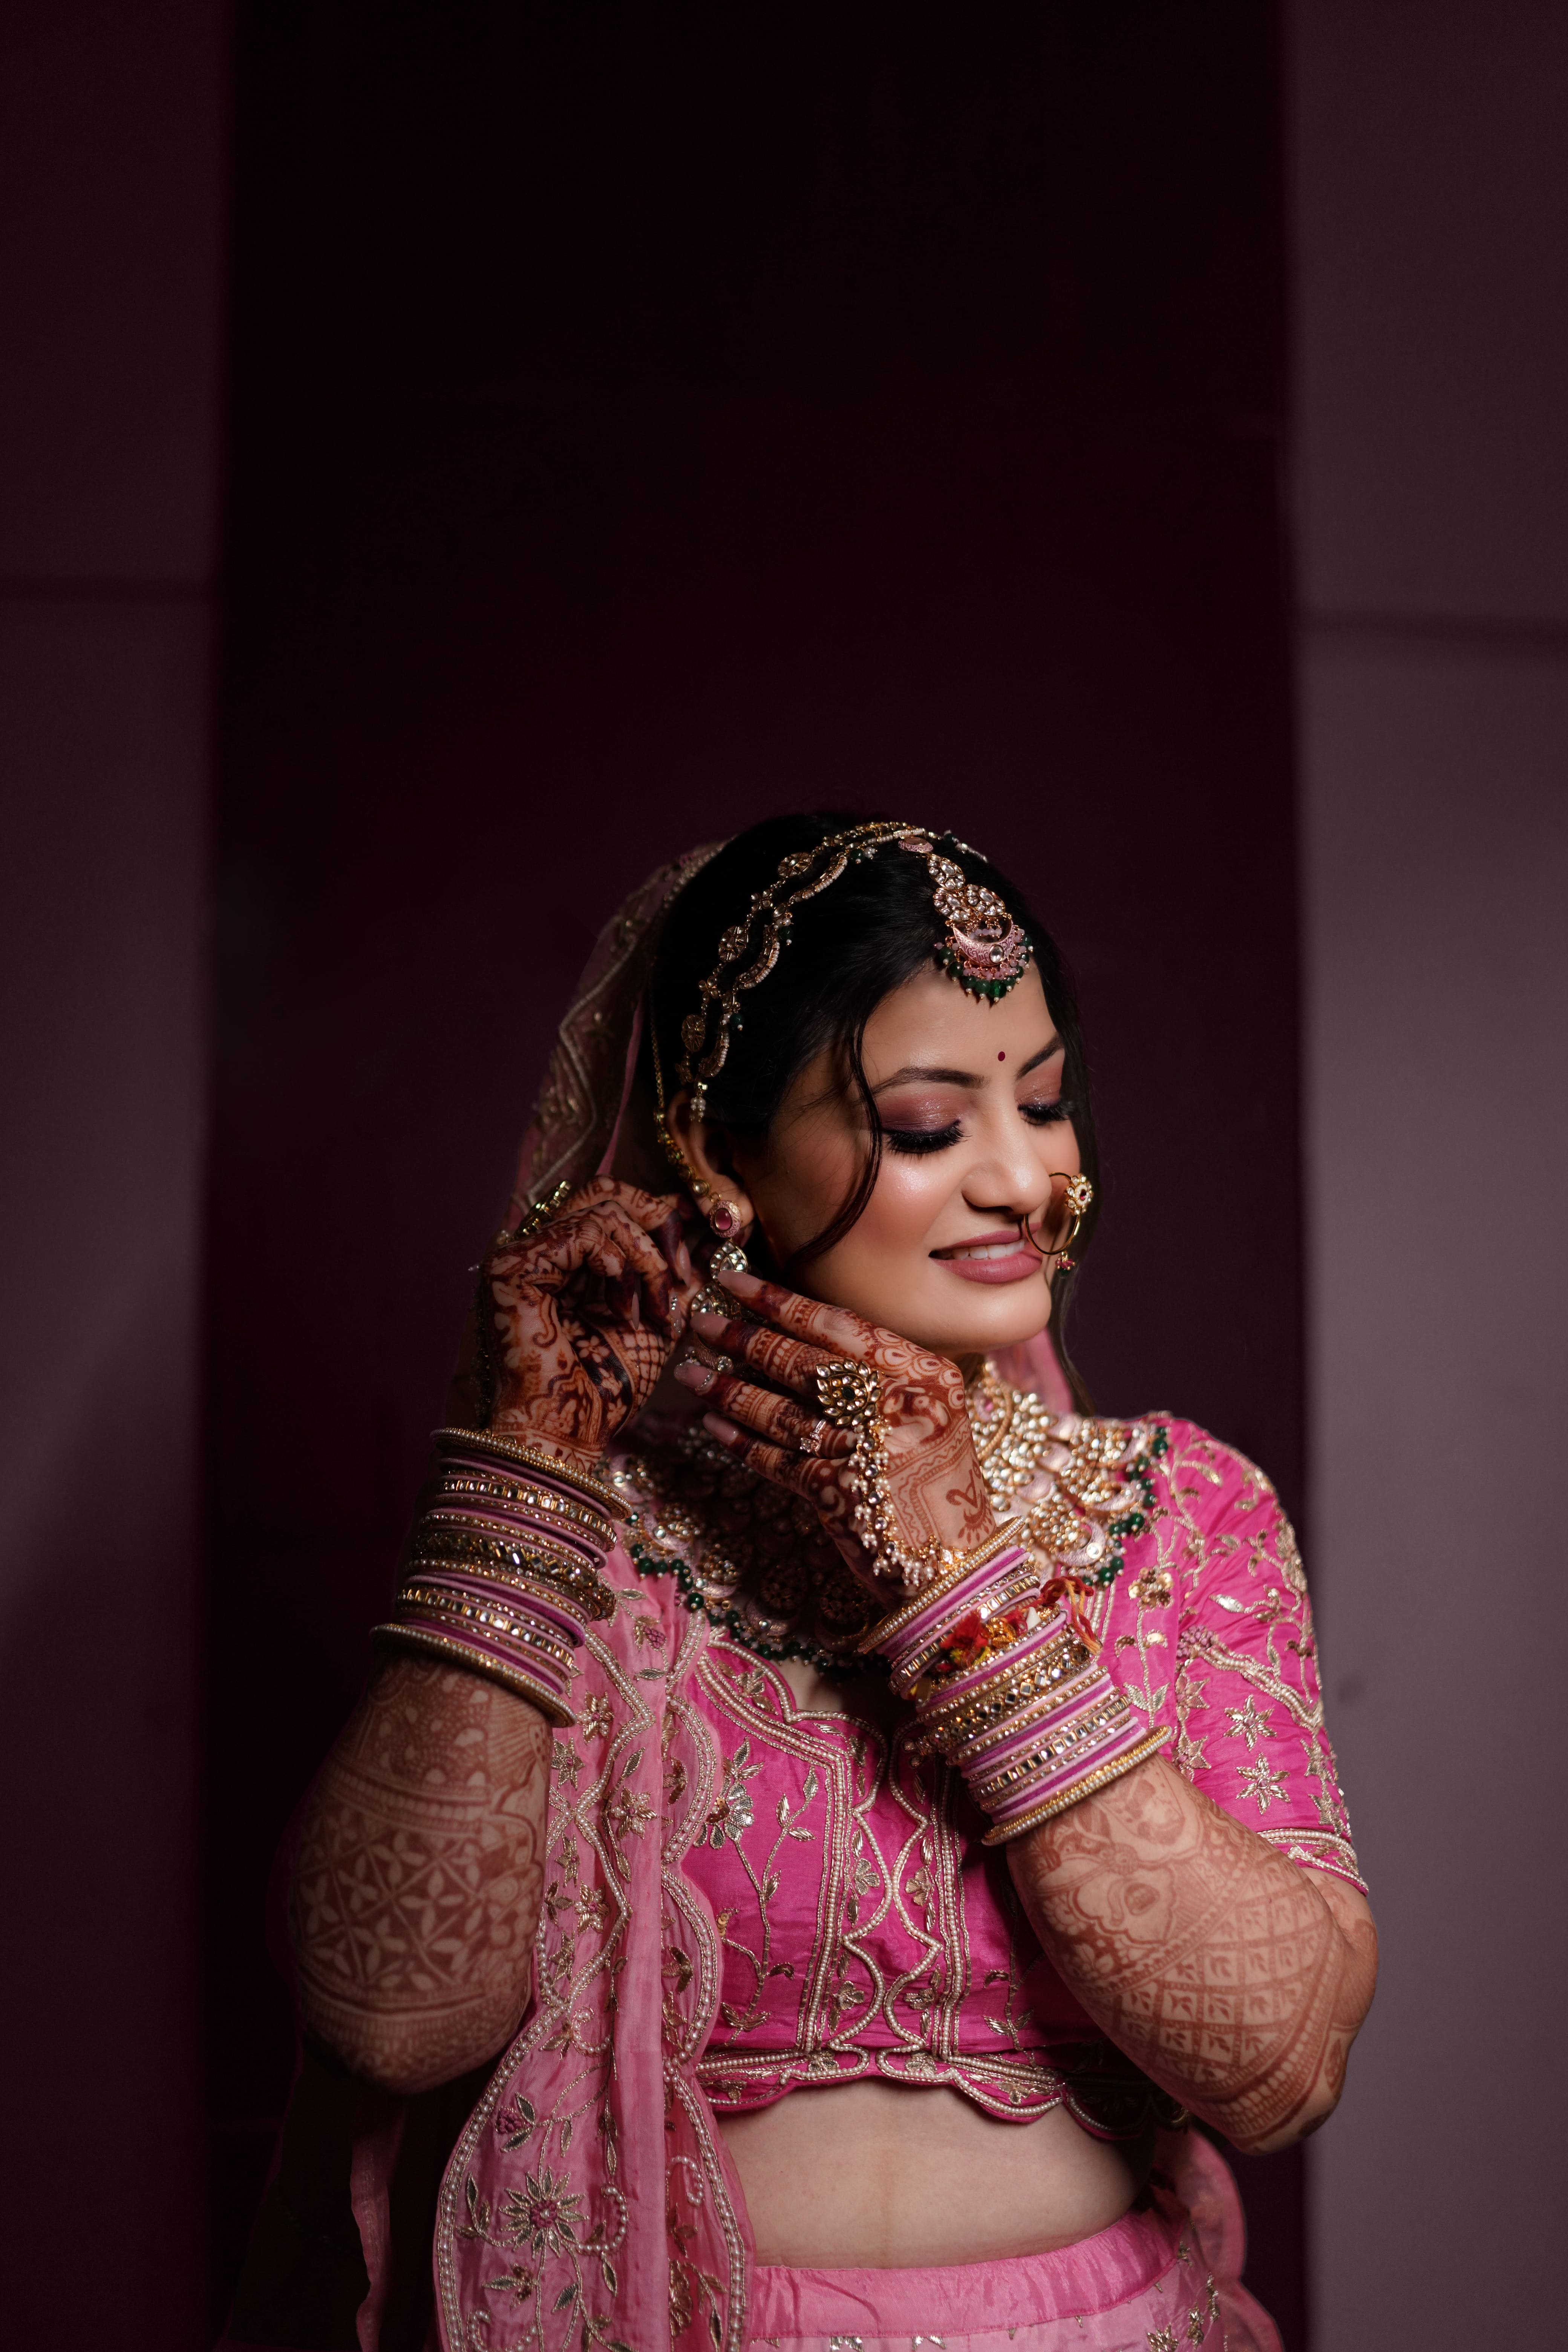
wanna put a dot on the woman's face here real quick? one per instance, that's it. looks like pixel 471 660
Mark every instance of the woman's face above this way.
pixel 969 1095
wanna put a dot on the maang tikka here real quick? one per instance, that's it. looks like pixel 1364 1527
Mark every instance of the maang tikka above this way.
pixel 984 948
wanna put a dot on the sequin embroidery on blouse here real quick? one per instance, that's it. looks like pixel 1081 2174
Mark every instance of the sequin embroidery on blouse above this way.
pixel 864 1929
pixel 866 1932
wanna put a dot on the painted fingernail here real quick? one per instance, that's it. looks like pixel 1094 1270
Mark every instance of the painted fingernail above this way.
pixel 693 1375
pixel 717 1426
pixel 732 1277
pixel 709 1325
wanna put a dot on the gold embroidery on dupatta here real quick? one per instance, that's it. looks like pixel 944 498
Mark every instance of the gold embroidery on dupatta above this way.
pixel 556 2234
pixel 692 1969
pixel 550 2257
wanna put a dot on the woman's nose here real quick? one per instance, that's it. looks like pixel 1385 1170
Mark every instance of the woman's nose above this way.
pixel 1009 1177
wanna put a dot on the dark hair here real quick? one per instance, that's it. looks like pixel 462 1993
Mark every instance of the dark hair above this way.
pixel 847 950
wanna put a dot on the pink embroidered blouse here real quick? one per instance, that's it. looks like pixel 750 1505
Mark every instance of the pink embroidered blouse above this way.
pixel 741 1899
pixel 865 1928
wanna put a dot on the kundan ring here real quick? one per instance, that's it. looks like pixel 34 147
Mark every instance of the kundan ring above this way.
pixel 811 1442
pixel 850 1396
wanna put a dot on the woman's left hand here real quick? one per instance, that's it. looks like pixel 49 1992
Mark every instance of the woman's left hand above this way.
pixel 937 1493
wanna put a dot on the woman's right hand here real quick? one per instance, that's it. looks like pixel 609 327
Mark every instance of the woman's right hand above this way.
pixel 935 1493
pixel 583 1316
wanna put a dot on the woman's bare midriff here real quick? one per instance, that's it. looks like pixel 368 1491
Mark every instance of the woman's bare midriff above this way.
pixel 870 2176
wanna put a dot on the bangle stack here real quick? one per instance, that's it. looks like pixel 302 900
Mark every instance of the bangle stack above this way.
pixel 505 1566
pixel 1007 1682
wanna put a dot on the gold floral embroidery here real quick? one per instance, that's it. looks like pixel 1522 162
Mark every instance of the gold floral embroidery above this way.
pixel 732 1819
pixel 1154 1587
pixel 570 2297
pixel 1262 1552
pixel 849 1768
pixel 1248 1722
pixel 1266 1783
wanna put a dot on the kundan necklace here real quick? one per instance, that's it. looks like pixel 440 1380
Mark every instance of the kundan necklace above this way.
pixel 753 1560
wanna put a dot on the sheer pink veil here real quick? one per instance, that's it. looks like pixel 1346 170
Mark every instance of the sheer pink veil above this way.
pixel 576 1121
pixel 576 1129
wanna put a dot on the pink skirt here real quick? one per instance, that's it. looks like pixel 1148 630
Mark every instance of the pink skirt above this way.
pixel 1166 2278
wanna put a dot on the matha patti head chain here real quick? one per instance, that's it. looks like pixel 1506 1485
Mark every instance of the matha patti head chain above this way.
pixel 985 951
pixel 983 948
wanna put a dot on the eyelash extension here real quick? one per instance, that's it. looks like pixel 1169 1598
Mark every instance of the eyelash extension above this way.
pixel 916 1140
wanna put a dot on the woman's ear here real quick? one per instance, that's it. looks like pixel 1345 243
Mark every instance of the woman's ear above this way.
pixel 707 1146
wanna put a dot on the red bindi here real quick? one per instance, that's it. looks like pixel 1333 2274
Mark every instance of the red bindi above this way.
pixel 1001 1058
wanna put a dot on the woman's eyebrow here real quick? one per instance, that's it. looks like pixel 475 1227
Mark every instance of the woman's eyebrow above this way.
pixel 938 1077
pixel 1043 1056
pixel 933 1076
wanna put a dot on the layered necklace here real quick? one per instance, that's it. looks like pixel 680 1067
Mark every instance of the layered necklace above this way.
pixel 753 1560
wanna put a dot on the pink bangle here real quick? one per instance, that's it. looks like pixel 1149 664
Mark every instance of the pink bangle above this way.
pixel 483 1447
pixel 503 1571
pixel 1009 1686
pixel 909 1637
pixel 533 1682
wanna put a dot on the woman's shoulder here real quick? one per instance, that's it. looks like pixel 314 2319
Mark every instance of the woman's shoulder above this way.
pixel 1212 1508
pixel 1192 1460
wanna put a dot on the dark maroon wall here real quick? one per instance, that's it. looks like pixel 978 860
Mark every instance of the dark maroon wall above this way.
pixel 112 168
pixel 642 422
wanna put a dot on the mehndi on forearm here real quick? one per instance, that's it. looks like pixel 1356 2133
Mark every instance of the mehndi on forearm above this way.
pixel 417 1889
pixel 1217 1964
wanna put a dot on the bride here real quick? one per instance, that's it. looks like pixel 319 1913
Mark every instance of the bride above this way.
pixel 859 1810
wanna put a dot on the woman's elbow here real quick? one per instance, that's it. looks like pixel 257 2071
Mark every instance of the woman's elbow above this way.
pixel 1298 2118
pixel 1309 2116
pixel 407 2051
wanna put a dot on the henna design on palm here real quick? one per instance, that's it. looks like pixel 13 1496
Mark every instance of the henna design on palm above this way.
pixel 584 1315
pixel 937 1494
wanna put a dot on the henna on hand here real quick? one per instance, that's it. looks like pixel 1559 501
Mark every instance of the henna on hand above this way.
pixel 583 1316
pixel 938 1493
pixel 1235 1979
pixel 417 1893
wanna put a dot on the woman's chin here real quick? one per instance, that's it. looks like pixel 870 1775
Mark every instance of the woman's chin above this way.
pixel 981 1318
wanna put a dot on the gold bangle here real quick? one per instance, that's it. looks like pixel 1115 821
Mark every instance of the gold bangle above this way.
pixel 470 1490
pixel 908 1611
pixel 1014 1585
pixel 458 1653
pixel 1149 1745
pixel 581 1606
pixel 1027 1703
pixel 968 1748
pixel 1049 1669
pixel 534 1458
pixel 445 1536
pixel 1097 1722
pixel 509 1625
pixel 443 1545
